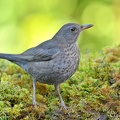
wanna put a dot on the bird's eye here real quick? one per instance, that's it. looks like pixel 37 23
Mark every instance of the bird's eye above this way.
pixel 73 29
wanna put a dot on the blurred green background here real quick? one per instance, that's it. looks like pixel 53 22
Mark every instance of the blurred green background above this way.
pixel 26 23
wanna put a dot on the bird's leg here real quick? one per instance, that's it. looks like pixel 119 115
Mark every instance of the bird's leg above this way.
pixel 34 92
pixel 62 104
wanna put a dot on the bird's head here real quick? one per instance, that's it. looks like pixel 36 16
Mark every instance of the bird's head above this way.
pixel 70 32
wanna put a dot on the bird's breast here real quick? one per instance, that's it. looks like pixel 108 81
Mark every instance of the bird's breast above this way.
pixel 66 64
pixel 58 69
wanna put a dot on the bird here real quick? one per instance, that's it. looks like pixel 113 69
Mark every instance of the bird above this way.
pixel 53 61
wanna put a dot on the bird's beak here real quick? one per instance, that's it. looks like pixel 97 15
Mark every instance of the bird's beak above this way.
pixel 86 26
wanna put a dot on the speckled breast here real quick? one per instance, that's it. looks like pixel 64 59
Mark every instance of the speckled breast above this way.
pixel 58 69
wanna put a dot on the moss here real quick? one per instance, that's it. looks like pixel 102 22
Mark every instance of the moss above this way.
pixel 93 92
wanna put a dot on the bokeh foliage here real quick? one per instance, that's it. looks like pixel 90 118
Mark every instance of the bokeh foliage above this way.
pixel 24 23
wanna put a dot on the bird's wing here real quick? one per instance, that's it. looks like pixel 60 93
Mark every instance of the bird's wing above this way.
pixel 43 52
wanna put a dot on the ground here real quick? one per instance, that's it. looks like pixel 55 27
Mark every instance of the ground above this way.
pixel 92 93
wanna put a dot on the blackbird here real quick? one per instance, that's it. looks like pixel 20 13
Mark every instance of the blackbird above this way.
pixel 53 61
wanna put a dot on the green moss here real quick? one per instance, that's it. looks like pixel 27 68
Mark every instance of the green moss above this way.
pixel 92 92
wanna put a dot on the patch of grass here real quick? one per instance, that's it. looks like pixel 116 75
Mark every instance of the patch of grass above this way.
pixel 93 92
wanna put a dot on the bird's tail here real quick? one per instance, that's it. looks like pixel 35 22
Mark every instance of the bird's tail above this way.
pixel 11 57
pixel 15 58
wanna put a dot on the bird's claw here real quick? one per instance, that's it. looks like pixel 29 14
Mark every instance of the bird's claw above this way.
pixel 64 108
pixel 34 103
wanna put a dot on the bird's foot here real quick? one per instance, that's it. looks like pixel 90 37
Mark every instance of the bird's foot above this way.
pixel 34 102
pixel 64 108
